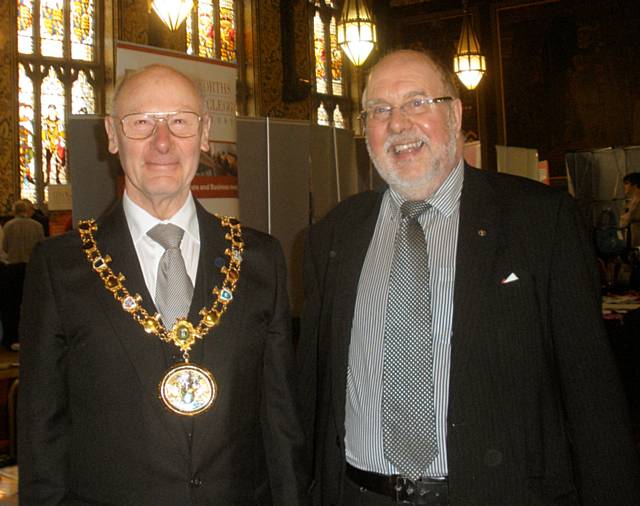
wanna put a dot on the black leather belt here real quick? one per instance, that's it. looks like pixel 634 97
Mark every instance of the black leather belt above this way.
pixel 423 491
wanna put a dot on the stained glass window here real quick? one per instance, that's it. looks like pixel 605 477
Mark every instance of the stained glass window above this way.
pixel 53 131
pixel 328 64
pixel 227 31
pixel 51 28
pixel 83 95
pixel 338 120
pixel 25 26
pixel 320 54
pixel 336 59
pixel 323 117
pixel 59 73
pixel 26 131
pixel 211 30
pixel 82 29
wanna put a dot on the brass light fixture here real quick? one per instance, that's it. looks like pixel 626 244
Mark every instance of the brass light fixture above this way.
pixel 172 12
pixel 469 63
pixel 356 31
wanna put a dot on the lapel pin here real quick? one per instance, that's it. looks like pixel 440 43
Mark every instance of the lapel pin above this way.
pixel 482 232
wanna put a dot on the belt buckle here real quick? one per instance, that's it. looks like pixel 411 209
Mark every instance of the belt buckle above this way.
pixel 404 489
pixel 415 492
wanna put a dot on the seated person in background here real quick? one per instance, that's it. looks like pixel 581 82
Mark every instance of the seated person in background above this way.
pixel 21 234
pixel 631 215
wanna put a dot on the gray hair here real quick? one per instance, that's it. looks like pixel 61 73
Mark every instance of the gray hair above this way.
pixel 447 77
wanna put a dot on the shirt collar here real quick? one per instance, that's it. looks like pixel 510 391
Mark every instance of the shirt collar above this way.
pixel 140 221
pixel 446 198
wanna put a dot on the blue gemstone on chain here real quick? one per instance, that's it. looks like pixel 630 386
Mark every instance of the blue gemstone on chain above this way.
pixel 226 295
pixel 129 303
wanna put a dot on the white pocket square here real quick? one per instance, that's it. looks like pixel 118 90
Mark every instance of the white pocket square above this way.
pixel 509 279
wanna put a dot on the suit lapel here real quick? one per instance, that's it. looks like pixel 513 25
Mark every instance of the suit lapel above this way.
pixel 211 258
pixel 478 240
pixel 349 248
pixel 206 352
pixel 145 351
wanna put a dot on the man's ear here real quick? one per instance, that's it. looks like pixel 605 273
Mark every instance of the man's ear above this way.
pixel 110 127
pixel 204 136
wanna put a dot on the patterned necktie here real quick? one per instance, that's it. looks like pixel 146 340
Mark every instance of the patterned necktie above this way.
pixel 408 414
pixel 174 289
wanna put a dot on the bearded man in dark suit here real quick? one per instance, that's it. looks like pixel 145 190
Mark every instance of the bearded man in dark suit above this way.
pixel 452 349
pixel 157 372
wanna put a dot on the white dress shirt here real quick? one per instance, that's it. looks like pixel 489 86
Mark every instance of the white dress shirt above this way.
pixel 363 409
pixel 149 251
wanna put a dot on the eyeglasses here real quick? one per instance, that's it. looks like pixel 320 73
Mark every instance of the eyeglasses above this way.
pixel 142 125
pixel 381 113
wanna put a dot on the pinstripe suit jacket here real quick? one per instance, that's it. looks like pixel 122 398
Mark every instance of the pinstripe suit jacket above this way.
pixel 536 414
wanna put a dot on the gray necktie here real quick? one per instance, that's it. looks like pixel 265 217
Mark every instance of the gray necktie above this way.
pixel 174 289
pixel 408 414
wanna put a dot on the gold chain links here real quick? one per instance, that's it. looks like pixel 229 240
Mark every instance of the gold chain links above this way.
pixel 183 334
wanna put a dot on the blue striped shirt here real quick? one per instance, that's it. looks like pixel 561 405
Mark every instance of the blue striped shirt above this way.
pixel 363 423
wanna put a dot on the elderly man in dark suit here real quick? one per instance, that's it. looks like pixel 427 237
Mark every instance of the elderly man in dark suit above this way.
pixel 452 351
pixel 157 359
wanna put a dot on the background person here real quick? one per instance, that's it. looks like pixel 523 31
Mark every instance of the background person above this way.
pixel 631 215
pixel 21 234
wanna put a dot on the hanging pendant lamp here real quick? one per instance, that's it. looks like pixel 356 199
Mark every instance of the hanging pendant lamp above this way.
pixel 469 64
pixel 356 31
pixel 172 12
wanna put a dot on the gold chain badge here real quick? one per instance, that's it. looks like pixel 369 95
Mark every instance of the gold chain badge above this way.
pixel 185 389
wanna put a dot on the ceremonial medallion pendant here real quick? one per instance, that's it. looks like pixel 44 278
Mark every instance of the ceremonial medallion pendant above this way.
pixel 185 389
pixel 188 390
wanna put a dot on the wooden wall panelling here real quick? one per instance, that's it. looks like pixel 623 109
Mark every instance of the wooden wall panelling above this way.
pixel 133 23
pixel 569 76
pixel 8 106
pixel 268 65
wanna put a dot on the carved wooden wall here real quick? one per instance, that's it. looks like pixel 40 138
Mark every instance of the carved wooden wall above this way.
pixel 569 76
pixel 8 90
pixel 133 21
pixel 267 58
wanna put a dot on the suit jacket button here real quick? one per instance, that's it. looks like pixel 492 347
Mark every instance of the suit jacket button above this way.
pixel 195 482
pixel 493 457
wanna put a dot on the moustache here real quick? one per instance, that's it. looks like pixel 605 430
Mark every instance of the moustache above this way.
pixel 395 139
